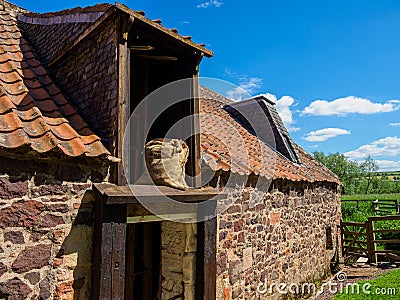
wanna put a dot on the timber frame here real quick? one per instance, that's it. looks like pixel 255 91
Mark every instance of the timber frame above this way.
pixel 112 239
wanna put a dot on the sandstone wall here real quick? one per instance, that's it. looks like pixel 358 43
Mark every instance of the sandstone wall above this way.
pixel 275 237
pixel 46 230
pixel 178 260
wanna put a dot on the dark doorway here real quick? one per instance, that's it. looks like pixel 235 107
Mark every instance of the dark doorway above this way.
pixel 144 261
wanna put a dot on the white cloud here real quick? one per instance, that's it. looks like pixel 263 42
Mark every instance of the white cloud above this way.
pixel 348 105
pixel 211 3
pixel 185 22
pixel 388 165
pixel 247 86
pixel 394 124
pixel 388 146
pixel 313 146
pixel 324 134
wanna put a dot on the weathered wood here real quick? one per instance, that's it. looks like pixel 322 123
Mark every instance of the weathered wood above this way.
pixel 189 217
pixel 168 33
pixel 387 241
pixel 130 260
pixel 206 259
pixel 353 224
pixel 118 261
pixel 371 245
pixel 387 231
pixel 106 261
pixel 124 62
pixel 123 194
pixel 384 218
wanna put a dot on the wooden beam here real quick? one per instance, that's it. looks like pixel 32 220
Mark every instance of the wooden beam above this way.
pixel 114 194
pixel 189 217
pixel 206 265
pixel 167 32
pixel 124 62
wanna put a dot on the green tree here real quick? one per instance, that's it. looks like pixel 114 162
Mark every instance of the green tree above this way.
pixel 368 170
pixel 347 170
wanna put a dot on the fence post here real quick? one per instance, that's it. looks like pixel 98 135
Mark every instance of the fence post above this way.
pixel 397 207
pixel 371 246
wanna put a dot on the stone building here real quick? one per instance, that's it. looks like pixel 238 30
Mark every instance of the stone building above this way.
pixel 70 228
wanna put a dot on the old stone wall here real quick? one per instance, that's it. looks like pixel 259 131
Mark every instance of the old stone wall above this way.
pixel 88 75
pixel 178 260
pixel 46 231
pixel 277 236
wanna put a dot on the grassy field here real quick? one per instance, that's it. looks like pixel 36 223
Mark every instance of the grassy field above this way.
pixel 386 286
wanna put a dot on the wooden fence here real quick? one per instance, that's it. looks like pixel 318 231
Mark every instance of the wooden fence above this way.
pixel 360 239
pixel 386 206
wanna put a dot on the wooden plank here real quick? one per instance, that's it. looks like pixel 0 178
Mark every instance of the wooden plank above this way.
pixel 210 258
pixel 106 261
pixel 354 224
pixel 118 261
pixel 387 231
pixel 371 245
pixel 153 218
pixel 387 251
pixel 387 241
pixel 384 218
pixel 124 62
pixel 130 260
pixel 123 194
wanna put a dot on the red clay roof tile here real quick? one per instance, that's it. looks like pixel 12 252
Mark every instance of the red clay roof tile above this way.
pixel 33 111
pixel 227 145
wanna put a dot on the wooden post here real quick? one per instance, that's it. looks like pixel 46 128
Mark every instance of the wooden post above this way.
pixel 206 263
pixel 123 89
pixel 371 246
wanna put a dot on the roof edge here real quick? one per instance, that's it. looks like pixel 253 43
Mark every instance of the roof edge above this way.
pixel 186 41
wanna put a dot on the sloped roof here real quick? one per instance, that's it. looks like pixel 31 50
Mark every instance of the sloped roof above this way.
pixel 88 19
pixel 35 117
pixel 226 145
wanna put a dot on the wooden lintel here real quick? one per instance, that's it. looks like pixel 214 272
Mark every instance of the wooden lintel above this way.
pixel 114 194
pixel 189 217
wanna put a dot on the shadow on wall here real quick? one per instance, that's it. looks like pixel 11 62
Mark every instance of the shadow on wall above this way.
pixel 75 254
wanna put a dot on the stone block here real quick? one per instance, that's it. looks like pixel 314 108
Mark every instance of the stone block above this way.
pixel 247 258
pixel 14 289
pixel 15 237
pixel 30 258
pixel 21 214
pixel 10 190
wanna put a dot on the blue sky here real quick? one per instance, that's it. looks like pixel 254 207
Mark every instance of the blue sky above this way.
pixel 333 67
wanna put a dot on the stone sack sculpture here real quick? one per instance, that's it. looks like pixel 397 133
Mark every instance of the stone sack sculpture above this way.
pixel 166 160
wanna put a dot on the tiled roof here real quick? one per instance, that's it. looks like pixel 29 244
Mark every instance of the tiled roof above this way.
pixel 35 117
pixel 226 145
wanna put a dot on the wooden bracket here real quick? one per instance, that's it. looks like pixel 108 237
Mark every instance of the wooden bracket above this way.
pixel 126 24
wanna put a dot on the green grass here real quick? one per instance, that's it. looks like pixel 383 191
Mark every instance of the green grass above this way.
pixel 372 197
pixel 386 281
